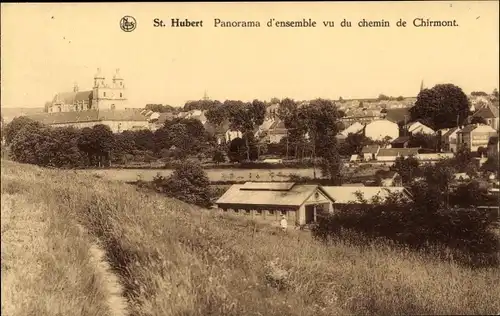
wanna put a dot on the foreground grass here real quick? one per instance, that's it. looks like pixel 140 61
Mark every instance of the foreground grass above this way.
pixel 49 264
pixel 175 259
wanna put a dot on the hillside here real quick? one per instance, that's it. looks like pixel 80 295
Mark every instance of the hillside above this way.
pixel 174 259
pixel 9 113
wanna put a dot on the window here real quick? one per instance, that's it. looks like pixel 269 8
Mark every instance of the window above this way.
pixel 121 95
pixel 258 212
pixel 104 94
pixel 112 106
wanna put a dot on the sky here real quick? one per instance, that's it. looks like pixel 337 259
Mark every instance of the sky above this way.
pixel 46 48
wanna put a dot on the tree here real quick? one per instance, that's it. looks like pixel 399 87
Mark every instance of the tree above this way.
pixel 438 178
pixel 188 183
pixel 495 93
pixel 478 120
pixel 219 156
pixel 217 114
pixel 246 118
pixel 237 150
pixel 160 108
pixel 322 118
pixel 97 143
pixel 469 194
pixel 491 165
pixel 400 98
pixel 65 150
pixel 462 158
pixel 478 94
pixel 481 151
pixel 354 143
pixel 16 125
pixel 424 141
pixel 441 107
pixel 407 168
pixel 383 97
pixel 187 135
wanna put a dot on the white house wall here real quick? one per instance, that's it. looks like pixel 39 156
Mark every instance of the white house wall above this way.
pixel 378 130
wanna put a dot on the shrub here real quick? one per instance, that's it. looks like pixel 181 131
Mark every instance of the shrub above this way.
pixel 188 183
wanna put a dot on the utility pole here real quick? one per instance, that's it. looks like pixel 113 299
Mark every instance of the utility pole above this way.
pixel 287 144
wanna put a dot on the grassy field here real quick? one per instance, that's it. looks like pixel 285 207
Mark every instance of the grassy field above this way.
pixel 174 259
pixel 128 175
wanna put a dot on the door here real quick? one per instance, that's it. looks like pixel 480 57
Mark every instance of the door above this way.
pixel 309 214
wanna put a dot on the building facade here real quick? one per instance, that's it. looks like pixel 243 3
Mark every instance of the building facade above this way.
pixel 381 129
pixel 474 136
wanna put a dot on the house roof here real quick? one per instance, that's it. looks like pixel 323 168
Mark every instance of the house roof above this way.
pixel 488 111
pixel 401 140
pixel 478 128
pixel 393 152
pixel 88 116
pixel 354 128
pixel 370 149
pixel 450 132
pixel 346 194
pixel 398 114
pixel 267 193
pixel 72 97
pixel 468 128
pixel 278 124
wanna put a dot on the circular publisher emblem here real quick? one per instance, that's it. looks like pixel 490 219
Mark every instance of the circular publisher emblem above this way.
pixel 128 23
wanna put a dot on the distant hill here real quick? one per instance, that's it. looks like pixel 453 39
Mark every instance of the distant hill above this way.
pixel 9 113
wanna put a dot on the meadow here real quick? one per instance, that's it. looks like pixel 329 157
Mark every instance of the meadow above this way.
pixel 166 257
pixel 129 175
pixel 236 174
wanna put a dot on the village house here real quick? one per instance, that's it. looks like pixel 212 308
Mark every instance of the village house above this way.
pixel 417 127
pixel 300 203
pixel 449 139
pixel 391 154
pixel 355 128
pixel 118 121
pixel 369 152
pixel 277 131
pixel 400 142
pixel 389 178
pixel 223 132
pixel 380 129
pixel 489 113
pixel 474 136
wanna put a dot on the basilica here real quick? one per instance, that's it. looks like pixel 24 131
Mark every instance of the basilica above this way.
pixel 105 104
pixel 103 96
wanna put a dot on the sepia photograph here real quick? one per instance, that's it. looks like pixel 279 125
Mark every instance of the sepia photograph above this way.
pixel 250 158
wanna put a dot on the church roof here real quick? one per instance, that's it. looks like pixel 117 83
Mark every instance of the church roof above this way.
pixel 72 97
pixel 87 116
